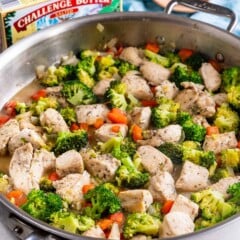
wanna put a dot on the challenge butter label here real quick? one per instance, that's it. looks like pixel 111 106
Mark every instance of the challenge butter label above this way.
pixel 19 21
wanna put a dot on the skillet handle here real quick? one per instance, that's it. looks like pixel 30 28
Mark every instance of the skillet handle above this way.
pixel 207 7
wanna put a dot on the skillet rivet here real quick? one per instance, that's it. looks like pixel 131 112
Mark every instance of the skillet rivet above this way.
pixel 219 57
pixel 160 39
pixel 18 230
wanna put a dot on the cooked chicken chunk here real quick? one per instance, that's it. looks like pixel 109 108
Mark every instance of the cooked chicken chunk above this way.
pixel 200 120
pixel 223 184
pixel 90 113
pixel 140 237
pixel 24 136
pixel 167 89
pixel 101 166
pixel 137 86
pixel 26 120
pixel 131 55
pixel 220 98
pixel 193 177
pixel 141 116
pixel 162 187
pixel 19 167
pixel 154 73
pixel 153 160
pixel 101 87
pixel 105 132
pixel 55 92
pixel 175 224
pixel 135 200
pixel 70 188
pixel 211 77
pixel 184 204
pixel 95 232
pixel 54 121
pixel 219 142
pixel 43 161
pixel 115 233
pixel 69 162
pixel 7 131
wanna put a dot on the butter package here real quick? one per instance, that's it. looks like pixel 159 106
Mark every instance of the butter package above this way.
pixel 20 18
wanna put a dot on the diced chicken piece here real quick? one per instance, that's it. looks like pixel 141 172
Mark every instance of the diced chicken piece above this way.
pixel 223 184
pixel 140 237
pixel 172 133
pixel 69 59
pixel 200 120
pixel 184 204
pixel 70 188
pixel 131 55
pixel 154 73
pixel 162 187
pixel 19 167
pixel 211 77
pixel 190 85
pixel 220 98
pixel 7 131
pixel 90 113
pixel 23 137
pixel 115 232
pixel 105 132
pixel 55 92
pixel 219 142
pixel 69 162
pixel 101 166
pixel 26 120
pixel 95 232
pixel 175 224
pixel 192 178
pixel 206 105
pixel 54 121
pixel 167 89
pixel 43 162
pixel 101 87
pixel 137 86
pixel 153 160
pixel 135 200
pixel 141 116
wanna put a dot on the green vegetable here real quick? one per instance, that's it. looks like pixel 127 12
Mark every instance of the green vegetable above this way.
pixel 4 183
pixel 49 78
pixel 65 73
pixel 21 107
pixel 233 97
pixel 226 119
pixel 213 207
pixel 69 115
pixel 234 191
pixel 103 202
pixel 195 61
pixel 155 210
pixel 230 78
pixel 71 222
pixel 222 172
pixel 70 140
pixel 141 223
pixel 46 185
pixel 184 74
pixel 41 205
pixel 230 158
pixel 78 93
pixel 165 113
pixel 124 67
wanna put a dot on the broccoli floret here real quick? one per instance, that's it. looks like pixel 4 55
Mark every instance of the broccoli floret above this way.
pixel 46 185
pixel 195 60
pixel 193 131
pixel 88 53
pixel 155 210
pixel 230 158
pixel 234 191
pixel 108 73
pixel 141 223
pixel 85 78
pixel 69 115
pixel 70 140
pixel 127 174
pixel 230 78
pixel 49 78
pixel 105 62
pixel 43 104
pixel 226 119
pixel 192 145
pixel 115 95
pixel 173 57
pixel 78 93
pixel 222 172
pixel 124 67
pixel 65 73
pixel 165 113
pixel 21 107
pixel 71 222
pixel 41 205
pixel 103 202
pixel 111 187
pixel 202 158
pixel 157 58
pixel 173 151
pixel 129 146
pixel 233 97
pixel 184 74
pixel 213 206
pixel 4 183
